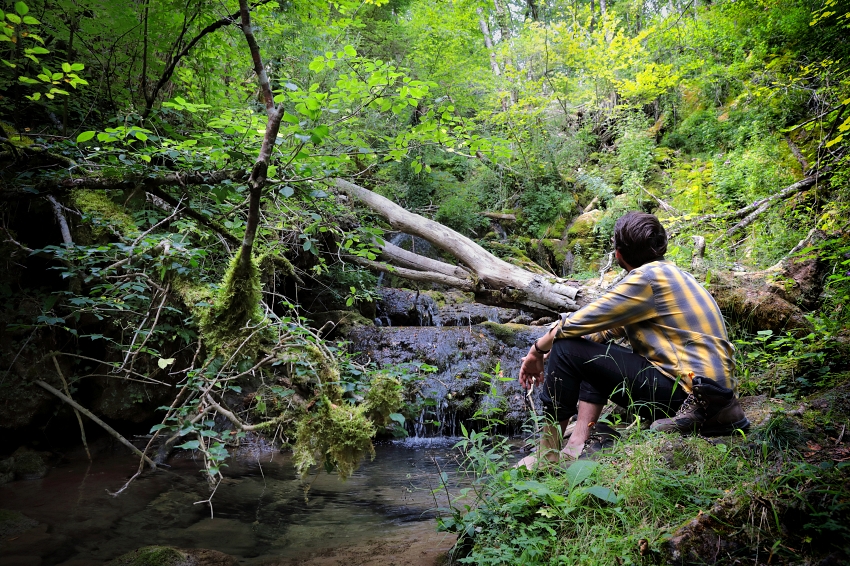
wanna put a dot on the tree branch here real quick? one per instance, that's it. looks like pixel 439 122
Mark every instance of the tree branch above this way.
pixel 743 212
pixel 245 14
pixel 63 223
pixel 103 425
pixel 169 71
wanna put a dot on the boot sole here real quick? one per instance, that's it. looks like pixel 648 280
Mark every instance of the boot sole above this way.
pixel 725 430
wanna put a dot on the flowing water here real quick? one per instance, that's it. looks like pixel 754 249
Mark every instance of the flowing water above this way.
pixel 262 512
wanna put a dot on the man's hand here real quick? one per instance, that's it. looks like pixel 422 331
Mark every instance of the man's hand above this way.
pixel 531 371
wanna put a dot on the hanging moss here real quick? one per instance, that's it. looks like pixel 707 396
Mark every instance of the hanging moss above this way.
pixel 383 398
pixel 337 435
pixel 235 311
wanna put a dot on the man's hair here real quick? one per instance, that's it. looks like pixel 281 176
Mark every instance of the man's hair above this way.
pixel 640 237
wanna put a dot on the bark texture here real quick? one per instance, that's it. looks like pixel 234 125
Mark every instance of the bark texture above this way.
pixel 494 281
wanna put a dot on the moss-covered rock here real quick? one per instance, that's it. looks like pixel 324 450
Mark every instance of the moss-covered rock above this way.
pixel 582 227
pixel 28 465
pixel 510 334
pixel 14 522
pixel 105 215
pixel 168 556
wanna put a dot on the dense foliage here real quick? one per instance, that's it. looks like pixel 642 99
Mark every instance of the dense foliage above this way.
pixel 170 222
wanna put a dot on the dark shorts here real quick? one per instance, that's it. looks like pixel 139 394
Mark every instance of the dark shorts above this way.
pixel 581 370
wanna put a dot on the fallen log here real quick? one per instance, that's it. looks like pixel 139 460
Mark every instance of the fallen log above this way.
pixel 491 278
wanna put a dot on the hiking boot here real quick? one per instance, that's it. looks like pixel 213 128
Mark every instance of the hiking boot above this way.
pixel 602 437
pixel 710 410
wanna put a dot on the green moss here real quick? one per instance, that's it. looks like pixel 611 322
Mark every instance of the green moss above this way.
pixel 507 333
pixel 583 225
pixel 235 311
pixel 338 435
pixel 152 556
pixel 198 298
pixel 104 212
pixel 383 398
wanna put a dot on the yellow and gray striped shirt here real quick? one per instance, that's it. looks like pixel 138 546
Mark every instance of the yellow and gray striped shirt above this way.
pixel 668 318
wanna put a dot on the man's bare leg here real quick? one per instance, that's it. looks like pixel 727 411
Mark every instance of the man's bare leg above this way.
pixel 550 445
pixel 587 413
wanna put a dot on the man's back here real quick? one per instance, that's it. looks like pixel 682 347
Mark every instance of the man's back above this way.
pixel 668 318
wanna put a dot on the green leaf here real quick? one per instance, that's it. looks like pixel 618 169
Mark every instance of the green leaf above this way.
pixel 316 65
pixel 834 140
pixel 29 20
pixel 579 471
pixel 66 67
pixel 141 136
pixel 603 493
pixel 13 18
pixel 350 51
pixel 77 67
pixel 287 191
pixel 307 245
pixel 27 80
pixel 164 362
pixel 157 427
pixel 190 445
pixel 397 417
pixel 22 8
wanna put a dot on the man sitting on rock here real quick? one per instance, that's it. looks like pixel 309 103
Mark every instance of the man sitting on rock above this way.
pixel 680 356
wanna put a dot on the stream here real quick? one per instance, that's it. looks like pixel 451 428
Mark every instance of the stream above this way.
pixel 383 514
pixel 263 513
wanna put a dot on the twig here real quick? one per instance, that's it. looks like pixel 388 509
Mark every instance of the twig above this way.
pixel 605 269
pixel 840 436
pixel 103 425
pixel 208 501
pixel 63 223
pixel 76 412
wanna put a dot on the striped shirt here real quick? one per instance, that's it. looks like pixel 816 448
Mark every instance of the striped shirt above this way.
pixel 668 318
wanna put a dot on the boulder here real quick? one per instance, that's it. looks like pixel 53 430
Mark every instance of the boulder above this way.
pixel 582 227
pixel 13 523
pixel 7 470
pixel 28 464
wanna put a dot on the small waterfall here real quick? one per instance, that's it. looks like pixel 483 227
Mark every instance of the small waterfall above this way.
pixel 396 240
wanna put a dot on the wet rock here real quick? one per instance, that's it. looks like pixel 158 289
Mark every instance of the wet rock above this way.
pixel 462 355
pixel 403 307
pixel 474 313
pixel 28 465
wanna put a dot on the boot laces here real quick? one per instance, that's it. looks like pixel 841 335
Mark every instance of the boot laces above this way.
pixel 687 405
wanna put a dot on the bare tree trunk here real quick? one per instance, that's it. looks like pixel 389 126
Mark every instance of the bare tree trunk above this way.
pixel 533 10
pixel 493 280
pixel 488 42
